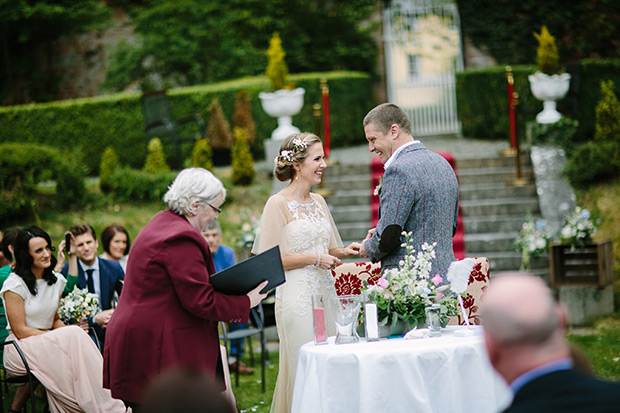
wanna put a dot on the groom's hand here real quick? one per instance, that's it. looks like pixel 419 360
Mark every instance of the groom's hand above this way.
pixel 363 253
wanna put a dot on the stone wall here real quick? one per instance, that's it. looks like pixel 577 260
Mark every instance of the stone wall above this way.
pixel 81 60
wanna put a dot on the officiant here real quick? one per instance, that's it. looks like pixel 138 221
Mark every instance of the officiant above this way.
pixel 168 313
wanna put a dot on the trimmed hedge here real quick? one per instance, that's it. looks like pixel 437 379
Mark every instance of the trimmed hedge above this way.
pixel 93 124
pixel 482 101
pixel 23 166
pixel 135 185
pixel 482 98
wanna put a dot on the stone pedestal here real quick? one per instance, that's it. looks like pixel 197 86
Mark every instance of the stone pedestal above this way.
pixel 585 303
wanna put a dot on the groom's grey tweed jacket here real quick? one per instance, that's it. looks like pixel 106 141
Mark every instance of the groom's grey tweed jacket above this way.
pixel 419 193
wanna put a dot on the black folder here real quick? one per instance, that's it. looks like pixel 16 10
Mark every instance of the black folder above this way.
pixel 244 276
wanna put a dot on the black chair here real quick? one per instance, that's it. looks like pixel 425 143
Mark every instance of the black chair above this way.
pixel 27 378
pixel 258 321
pixel 158 122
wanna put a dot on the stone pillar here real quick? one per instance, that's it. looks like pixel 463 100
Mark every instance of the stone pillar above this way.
pixel 584 303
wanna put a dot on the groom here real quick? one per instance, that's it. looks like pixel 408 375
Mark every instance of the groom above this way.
pixel 418 194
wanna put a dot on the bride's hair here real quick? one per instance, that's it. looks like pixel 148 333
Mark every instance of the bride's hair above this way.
pixel 293 150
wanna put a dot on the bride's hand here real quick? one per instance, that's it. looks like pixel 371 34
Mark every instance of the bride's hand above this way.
pixel 328 262
pixel 352 249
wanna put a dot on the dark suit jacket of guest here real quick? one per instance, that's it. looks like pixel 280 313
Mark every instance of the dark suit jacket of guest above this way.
pixel 111 277
pixel 419 193
pixel 566 391
pixel 169 312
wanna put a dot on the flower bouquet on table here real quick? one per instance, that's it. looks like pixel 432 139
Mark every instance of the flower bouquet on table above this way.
pixel 78 306
pixel 578 228
pixel 532 241
pixel 403 293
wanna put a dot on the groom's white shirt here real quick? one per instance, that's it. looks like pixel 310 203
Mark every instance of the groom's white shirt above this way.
pixel 396 152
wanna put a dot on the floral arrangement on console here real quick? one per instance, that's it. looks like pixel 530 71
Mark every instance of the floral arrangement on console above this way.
pixel 402 293
pixel 77 306
pixel 247 230
pixel 532 241
pixel 578 228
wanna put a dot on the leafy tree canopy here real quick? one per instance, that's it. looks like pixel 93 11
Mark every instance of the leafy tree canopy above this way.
pixel 201 41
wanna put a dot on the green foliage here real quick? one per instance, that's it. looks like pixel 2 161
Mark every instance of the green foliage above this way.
pixel 90 125
pixel 133 185
pixel 547 52
pixel 277 70
pixel 189 42
pixel 218 129
pixel 242 115
pixel 242 163
pixel 202 154
pixel 504 28
pixel 593 162
pixel 607 127
pixel 29 32
pixel 155 159
pixel 23 166
pixel 482 102
pixel 590 74
pixel 560 133
pixel 109 163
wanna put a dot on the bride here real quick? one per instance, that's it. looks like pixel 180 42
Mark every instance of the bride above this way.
pixel 299 222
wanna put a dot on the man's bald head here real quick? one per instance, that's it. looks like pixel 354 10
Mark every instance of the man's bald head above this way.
pixel 519 309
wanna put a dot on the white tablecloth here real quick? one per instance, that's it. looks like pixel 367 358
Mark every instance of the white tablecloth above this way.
pixel 439 374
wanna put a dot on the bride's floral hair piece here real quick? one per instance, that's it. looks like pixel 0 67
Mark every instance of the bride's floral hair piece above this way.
pixel 293 150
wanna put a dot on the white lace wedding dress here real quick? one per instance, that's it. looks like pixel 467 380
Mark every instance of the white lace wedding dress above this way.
pixel 298 228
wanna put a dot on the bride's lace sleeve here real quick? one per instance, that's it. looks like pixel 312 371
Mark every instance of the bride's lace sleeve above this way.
pixel 335 241
pixel 272 222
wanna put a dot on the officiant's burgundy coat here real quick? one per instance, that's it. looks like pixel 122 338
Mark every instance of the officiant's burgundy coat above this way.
pixel 168 312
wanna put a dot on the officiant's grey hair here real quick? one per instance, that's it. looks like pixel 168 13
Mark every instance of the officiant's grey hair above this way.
pixel 192 184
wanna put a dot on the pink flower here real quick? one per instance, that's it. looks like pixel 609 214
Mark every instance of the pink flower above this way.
pixel 382 282
pixel 440 294
pixel 437 279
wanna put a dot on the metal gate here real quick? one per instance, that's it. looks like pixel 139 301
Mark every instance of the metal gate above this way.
pixel 422 54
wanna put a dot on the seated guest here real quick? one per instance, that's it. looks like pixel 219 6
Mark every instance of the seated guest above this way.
pixel 187 390
pixel 31 294
pixel 102 277
pixel 116 243
pixel 6 246
pixel 524 331
pixel 224 257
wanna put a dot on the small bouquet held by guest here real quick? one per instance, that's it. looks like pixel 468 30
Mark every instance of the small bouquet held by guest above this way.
pixel 78 306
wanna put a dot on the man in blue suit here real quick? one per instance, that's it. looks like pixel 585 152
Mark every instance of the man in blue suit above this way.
pixel 102 277
pixel 524 333
pixel 419 192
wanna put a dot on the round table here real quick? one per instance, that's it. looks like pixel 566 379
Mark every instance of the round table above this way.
pixel 433 374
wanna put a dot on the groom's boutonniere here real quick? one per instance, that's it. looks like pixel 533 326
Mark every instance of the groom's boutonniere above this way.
pixel 377 190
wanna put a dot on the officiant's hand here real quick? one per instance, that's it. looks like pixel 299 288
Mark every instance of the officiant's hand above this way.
pixel 363 253
pixel 256 296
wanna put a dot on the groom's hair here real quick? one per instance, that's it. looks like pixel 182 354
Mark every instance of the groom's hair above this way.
pixel 386 115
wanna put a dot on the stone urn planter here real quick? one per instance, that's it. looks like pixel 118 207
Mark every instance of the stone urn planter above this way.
pixel 549 89
pixel 283 104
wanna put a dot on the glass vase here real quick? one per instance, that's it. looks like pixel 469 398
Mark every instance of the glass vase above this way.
pixel 345 310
